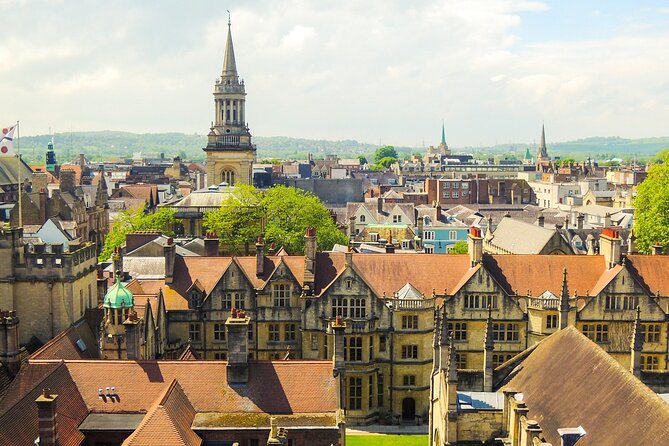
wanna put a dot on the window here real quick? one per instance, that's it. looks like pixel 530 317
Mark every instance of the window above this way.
pixel 409 352
pixel 194 332
pixel 397 219
pixel 382 343
pixel 354 349
pixel 226 301
pixel 456 194
pixel 371 348
pixel 429 249
pixel 274 332
pixel 355 393
pixel 499 359
pixel 219 332
pixel 239 301
pixel 194 299
pixel 379 390
pixel 597 332
pixel 289 332
pixel 409 380
pixel 651 332
pixel 370 391
pixel 456 185
pixel 374 236
pixel 406 244
pixel 357 309
pixel 340 307
pixel 428 235
pixel 354 307
pixel 81 302
pixel 250 332
pixel 447 185
pixel 458 330
pixel 465 186
pixel 461 361
pixel 480 302
pixel 447 194
pixel 650 362
pixel 505 332
pixel 220 356
pixel 614 303
pixel 281 295
pixel 362 219
pixel 551 321
pixel 452 235
pixel 314 342
pixel 409 322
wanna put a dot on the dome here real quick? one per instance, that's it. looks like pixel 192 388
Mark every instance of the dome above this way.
pixel 118 296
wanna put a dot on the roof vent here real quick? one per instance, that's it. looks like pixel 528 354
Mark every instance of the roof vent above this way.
pixel 81 345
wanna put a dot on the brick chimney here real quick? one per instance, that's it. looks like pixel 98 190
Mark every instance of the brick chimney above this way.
pixel 610 245
pixel 133 337
pixel 237 327
pixel 260 258
pixel 310 257
pixel 579 221
pixel 540 220
pixel 170 250
pixel 67 180
pixel 211 244
pixel 475 246
pixel 656 249
pixel 9 341
pixel 47 421
pixel 390 248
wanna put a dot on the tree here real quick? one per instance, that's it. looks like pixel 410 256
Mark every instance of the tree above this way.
pixel 384 152
pixel 387 161
pixel 459 248
pixel 651 209
pixel 281 213
pixel 362 159
pixel 129 221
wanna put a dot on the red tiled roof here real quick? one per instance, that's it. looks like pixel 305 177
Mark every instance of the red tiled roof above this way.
pixel 18 411
pixel 208 270
pixel 653 271
pixel 167 422
pixel 569 381
pixel 538 273
pixel 274 386
pixel 142 191
pixel 389 273
pixel 64 345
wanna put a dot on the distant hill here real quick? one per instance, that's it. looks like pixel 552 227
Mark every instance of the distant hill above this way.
pixel 108 144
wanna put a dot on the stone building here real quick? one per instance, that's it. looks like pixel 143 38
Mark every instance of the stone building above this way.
pixel 388 300
pixel 48 287
pixel 230 153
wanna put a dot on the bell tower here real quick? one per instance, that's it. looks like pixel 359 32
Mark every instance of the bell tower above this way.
pixel 230 153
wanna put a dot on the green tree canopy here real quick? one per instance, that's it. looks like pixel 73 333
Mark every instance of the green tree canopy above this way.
pixel 281 213
pixel 362 159
pixel 129 221
pixel 387 161
pixel 459 248
pixel 385 152
pixel 651 209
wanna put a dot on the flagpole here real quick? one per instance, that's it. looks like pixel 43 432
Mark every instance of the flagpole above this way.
pixel 18 173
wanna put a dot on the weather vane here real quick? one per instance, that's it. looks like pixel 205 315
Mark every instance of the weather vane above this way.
pixel 228 16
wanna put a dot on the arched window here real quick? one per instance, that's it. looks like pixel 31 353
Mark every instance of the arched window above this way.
pixel 228 176
pixel 362 219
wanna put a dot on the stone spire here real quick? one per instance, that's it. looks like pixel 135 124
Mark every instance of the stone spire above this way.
pixel 443 134
pixel 636 346
pixel 229 64
pixel 543 153
pixel 564 301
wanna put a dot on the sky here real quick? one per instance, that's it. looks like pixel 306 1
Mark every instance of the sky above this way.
pixel 377 71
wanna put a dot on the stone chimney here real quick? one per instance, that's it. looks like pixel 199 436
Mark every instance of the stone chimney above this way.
pixel 489 346
pixel 211 244
pixel 566 222
pixel 475 246
pixel 540 220
pixel 631 243
pixel 133 336
pixel 570 435
pixel 610 245
pixel 170 250
pixel 379 205
pixel 310 257
pixel 43 198
pixel 67 180
pixel 47 418
pixel 437 211
pixel 39 181
pixel 277 435
pixel 390 248
pixel 421 227
pixel 237 327
pixel 607 220
pixel 9 341
pixel 636 345
pixel 579 221
pixel 260 258
pixel 351 226
pixel 656 249
pixel 82 161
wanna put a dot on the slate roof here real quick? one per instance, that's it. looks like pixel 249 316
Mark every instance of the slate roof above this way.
pixel 569 381
pixel 519 237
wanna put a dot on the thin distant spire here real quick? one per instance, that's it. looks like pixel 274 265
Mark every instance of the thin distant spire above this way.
pixel 229 64
pixel 543 152
pixel 443 133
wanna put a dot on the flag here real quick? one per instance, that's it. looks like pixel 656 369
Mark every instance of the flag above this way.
pixel 7 141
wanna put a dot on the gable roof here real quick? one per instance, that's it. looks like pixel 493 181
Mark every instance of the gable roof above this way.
pixel 519 237
pixel 569 381
pixel 65 344
pixel 168 421
pixel 653 271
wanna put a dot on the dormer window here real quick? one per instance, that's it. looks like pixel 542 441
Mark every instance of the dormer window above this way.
pixel 362 219
pixel 397 219
pixel 194 299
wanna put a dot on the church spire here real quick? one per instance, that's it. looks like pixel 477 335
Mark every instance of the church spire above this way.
pixel 543 153
pixel 229 64
pixel 443 134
